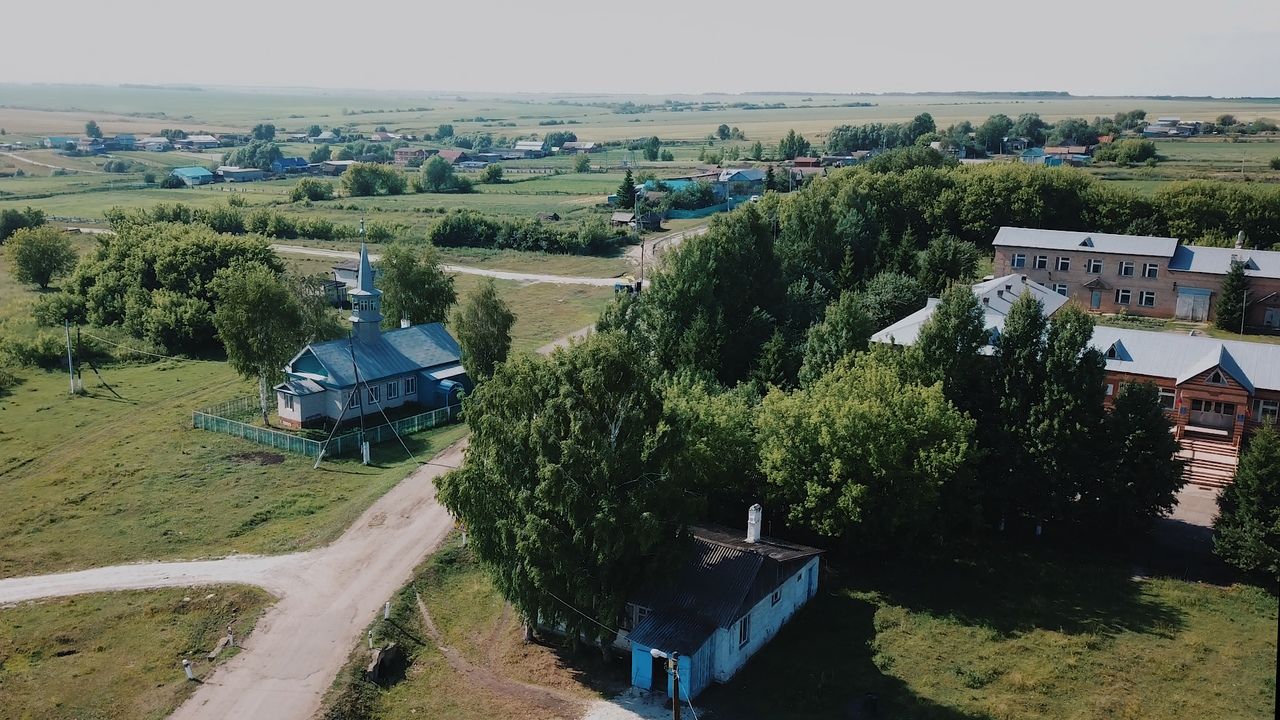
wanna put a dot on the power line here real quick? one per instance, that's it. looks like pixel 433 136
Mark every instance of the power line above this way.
pixel 144 352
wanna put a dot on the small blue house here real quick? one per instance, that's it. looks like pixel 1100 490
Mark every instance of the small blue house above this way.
pixel 1033 156
pixel 289 165
pixel 725 604
pixel 372 371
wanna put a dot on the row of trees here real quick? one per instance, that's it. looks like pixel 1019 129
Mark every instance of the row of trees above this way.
pixel 467 228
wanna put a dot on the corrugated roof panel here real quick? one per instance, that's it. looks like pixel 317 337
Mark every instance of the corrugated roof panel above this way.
pixel 1174 355
pixel 680 632
pixel 1217 261
pixel 1069 240
pixel 396 352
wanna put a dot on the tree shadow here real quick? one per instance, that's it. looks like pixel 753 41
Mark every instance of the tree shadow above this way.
pixel 820 665
pixel 586 667
pixel 1012 591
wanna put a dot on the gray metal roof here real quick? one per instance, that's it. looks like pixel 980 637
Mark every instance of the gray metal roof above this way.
pixel 1181 357
pixel 299 386
pixel 742 175
pixel 1215 260
pixel 395 352
pixel 1067 240
pixel 996 296
pixel 680 632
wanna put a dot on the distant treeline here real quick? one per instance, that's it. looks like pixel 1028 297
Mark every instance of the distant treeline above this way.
pixel 467 228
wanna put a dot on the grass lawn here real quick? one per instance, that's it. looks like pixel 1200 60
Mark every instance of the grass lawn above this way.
pixel 1016 636
pixel 95 480
pixel 112 656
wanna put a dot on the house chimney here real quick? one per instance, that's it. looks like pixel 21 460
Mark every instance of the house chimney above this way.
pixel 987 300
pixel 1024 279
pixel 999 294
pixel 753 523
pixel 404 322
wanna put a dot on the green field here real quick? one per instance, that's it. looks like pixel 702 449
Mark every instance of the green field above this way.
pixel 116 656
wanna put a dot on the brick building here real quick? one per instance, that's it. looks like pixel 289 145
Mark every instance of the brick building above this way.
pixel 1215 391
pixel 1152 276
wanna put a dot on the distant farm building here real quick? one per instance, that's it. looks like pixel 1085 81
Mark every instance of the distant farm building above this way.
pixel 198 142
pixel 233 174
pixel 454 157
pixel 193 176
pixel 336 167
pixel 405 156
pixel 574 146
pixel 529 148
pixel 289 165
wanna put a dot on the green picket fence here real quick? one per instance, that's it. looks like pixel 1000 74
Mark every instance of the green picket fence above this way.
pixel 214 419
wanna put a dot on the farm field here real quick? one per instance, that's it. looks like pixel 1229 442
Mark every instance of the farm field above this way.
pixel 1011 636
pixel 116 656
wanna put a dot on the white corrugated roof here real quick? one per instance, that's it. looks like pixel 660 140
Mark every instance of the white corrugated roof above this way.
pixel 997 297
pixel 1067 240
pixel 1216 260
pixel 1181 357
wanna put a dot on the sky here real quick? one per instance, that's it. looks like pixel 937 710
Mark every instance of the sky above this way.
pixel 1089 47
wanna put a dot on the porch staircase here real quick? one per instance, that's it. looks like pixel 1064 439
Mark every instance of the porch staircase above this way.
pixel 1210 461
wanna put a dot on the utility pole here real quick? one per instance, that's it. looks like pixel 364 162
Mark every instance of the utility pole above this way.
pixel 1244 309
pixel 674 663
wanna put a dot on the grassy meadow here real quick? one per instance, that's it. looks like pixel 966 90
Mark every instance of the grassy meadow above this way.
pixel 116 656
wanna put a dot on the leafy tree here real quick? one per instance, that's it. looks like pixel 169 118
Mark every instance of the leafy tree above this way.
pixel 757 151
pixel 668 156
pixel 1143 475
pixel 314 131
pixel 1227 121
pixel 947 350
pixel 651 148
pixel 258 321
pixel 582 163
pixel 257 154
pixel 845 329
pixel 947 259
pixel 1031 127
pixel 1020 379
pixel 1247 528
pixel 1230 313
pixel 414 286
pixel 723 132
pixel 12 220
pixel 444 131
pixel 862 453
pixel 483 327
pixel 321 154
pixel 557 138
pixel 571 473
pixel 311 189
pixel 792 146
pixel 40 254
pixel 1073 131
pixel 1128 152
pixel 265 132
pixel 1274 163
pixel 366 179
pixel 492 174
pixel 627 192
pixel 891 296
pixel 92 130
pixel 921 124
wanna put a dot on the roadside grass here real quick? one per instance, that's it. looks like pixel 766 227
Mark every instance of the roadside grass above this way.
pixel 94 480
pixel 1014 636
pixel 473 619
pixel 116 656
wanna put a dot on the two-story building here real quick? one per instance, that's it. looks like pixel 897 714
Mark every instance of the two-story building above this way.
pixel 1152 276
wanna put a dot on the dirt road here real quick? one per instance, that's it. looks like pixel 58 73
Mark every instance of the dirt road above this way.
pixel 654 246
pixel 29 161
pixel 498 274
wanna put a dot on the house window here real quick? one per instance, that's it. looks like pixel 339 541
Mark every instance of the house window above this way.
pixel 744 630
pixel 410 386
pixel 1147 298
pixel 1126 268
pixel 1150 270
pixel 1094 266
pixel 355 398
pixel 1042 262
pixel 288 402
pixel 777 596
pixel 1111 352
pixel 1123 297
pixel 1110 389
pixel 1266 410
pixel 1216 408
pixel 1060 288
pixel 1064 264
pixel 1216 378
pixel 1019 260
pixel 393 389
pixel 375 394
pixel 1166 398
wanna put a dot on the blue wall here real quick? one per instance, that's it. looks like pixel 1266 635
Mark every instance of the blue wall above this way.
pixel 695 671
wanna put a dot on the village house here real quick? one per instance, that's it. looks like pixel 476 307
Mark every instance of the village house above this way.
pixel 1215 391
pixel 235 174
pixel 576 146
pixel 327 136
pixel 725 603
pixel 373 370
pixel 155 144
pixel 1152 276
pixel 529 149
pixel 198 142
pixel 406 155
pixel 454 157
pixel 192 176
pixel 289 165
pixel 336 167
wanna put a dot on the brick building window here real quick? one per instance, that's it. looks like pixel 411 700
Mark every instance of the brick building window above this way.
pixel 1042 262
pixel 1123 297
pixel 1019 260
pixel 1266 410
pixel 1126 268
pixel 1147 298
pixel 1150 270
pixel 1060 288
pixel 1166 398
pixel 1064 264
pixel 1094 266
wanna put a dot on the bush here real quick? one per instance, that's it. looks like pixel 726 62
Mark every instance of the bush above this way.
pixel 54 310
pixel 12 221
pixel 311 189
pixel 1275 163
pixel 149 177
pixel 40 255
pixel 492 174
pixel 1127 152
pixel 582 163
pixel 366 179
pixel 172 182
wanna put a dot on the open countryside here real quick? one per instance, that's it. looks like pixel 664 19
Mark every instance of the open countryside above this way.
pixel 818 400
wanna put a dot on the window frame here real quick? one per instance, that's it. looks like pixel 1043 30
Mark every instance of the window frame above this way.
pixel 1063 263
pixel 1150 270
pixel 288 401
pixel 410 386
pixel 1061 289
pixel 744 631
pixel 1126 293
pixel 1126 269
pixel 393 389
pixel 1042 262
pixel 354 398
pixel 1265 410
pixel 375 394
pixel 1018 261
pixel 1092 263
pixel 776 597
pixel 1171 395
pixel 1144 296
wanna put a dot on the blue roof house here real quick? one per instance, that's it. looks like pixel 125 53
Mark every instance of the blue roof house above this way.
pixel 371 371
pixel 193 175
pixel 726 603
pixel 288 164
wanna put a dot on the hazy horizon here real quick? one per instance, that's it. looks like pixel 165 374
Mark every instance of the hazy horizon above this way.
pixel 660 48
